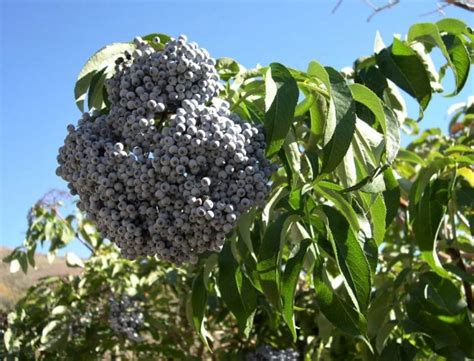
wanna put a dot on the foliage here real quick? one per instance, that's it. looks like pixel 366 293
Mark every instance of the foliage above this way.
pixel 359 253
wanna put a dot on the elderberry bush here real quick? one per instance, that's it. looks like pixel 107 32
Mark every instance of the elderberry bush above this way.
pixel 267 353
pixel 126 317
pixel 164 175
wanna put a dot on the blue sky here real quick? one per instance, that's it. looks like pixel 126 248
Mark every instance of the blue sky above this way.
pixel 45 43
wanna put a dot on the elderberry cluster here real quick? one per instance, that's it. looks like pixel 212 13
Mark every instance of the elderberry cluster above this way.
pixel 80 323
pixel 161 80
pixel 126 317
pixel 168 180
pixel 267 353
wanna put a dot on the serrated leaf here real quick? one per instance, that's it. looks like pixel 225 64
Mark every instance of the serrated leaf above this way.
pixel 429 34
pixel 288 285
pixel 316 70
pixel 460 59
pixel 343 206
pixel 95 96
pixel 427 213
pixel 378 213
pixel 281 97
pixel 402 65
pixel 435 307
pixel 23 259
pixel 383 116
pixel 231 282
pixel 268 260
pixel 198 307
pixel 350 257
pixel 244 225
pixel 345 119
pixel 453 26
pixel 335 309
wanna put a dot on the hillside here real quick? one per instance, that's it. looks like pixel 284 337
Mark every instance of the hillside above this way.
pixel 14 286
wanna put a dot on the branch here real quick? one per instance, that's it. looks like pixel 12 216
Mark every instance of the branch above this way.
pixel 377 9
pixel 463 4
pixel 336 7
pixel 439 10
pixel 78 237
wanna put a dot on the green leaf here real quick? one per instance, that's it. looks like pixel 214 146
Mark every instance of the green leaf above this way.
pixel 316 70
pixel 350 257
pixel 429 35
pixel 47 330
pixel 198 307
pixel 281 97
pixel 411 157
pixel 23 259
pixel 335 309
pixel 268 267
pixel 460 60
pixel 304 106
pixel 387 121
pixel 227 68
pixel 244 226
pixel 402 65
pixel 103 58
pixel 7 339
pixel 342 205
pixel 231 284
pixel 452 26
pixel 378 213
pixel 157 46
pixel 95 96
pixel 319 106
pixel 59 310
pixel 435 307
pixel 288 285
pixel 345 118
pixel 427 213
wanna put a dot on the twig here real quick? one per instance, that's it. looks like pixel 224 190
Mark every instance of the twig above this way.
pixel 466 5
pixel 336 7
pixel 244 97
pixel 438 10
pixel 77 235
pixel 377 9
pixel 85 243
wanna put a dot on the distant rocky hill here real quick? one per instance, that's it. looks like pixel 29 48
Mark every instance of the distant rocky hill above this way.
pixel 14 286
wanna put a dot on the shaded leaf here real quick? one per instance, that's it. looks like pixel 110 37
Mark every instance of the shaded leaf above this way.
pixel 281 97
pixel 345 118
pixel 269 258
pixel 350 257
pixel 103 58
pixel 288 285
pixel 402 65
